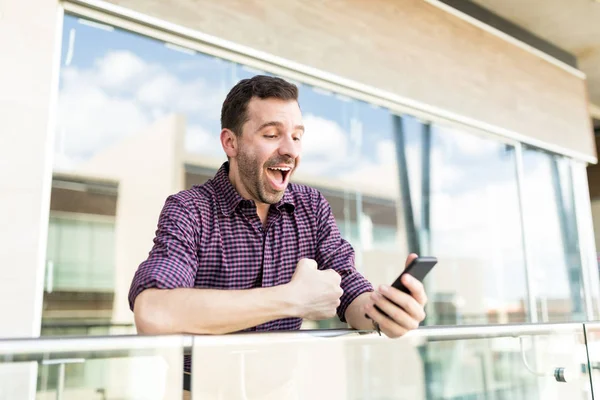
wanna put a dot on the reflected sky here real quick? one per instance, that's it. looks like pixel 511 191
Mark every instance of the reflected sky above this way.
pixel 474 220
pixel 115 83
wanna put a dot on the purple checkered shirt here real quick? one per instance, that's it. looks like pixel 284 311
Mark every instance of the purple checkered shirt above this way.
pixel 210 237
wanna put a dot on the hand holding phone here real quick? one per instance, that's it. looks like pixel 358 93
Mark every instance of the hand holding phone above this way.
pixel 418 269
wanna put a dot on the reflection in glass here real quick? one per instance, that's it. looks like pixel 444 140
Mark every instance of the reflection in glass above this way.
pixel 461 205
pixel 275 365
pixel 554 242
pixel 125 83
pixel 141 117
pixel 348 154
pixel 80 252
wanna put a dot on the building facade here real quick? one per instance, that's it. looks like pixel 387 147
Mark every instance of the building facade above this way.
pixel 426 130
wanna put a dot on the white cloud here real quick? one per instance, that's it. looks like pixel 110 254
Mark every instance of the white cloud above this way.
pixel 386 152
pixel 200 141
pixel 158 90
pixel 92 119
pixel 377 178
pixel 465 144
pixel 119 68
pixel 119 95
pixel 324 139
pixel 166 90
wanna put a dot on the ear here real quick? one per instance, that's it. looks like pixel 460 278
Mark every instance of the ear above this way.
pixel 229 141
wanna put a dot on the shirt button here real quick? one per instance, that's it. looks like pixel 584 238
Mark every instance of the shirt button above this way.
pixel 260 229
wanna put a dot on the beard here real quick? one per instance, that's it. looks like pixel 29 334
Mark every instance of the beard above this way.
pixel 253 177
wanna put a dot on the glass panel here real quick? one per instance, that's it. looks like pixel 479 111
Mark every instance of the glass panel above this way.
pixel 369 367
pixel 149 369
pixel 554 244
pixel 461 205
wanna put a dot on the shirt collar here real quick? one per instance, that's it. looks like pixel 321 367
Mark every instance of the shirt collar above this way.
pixel 229 199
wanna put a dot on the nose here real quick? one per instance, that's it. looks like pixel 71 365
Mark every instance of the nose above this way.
pixel 289 147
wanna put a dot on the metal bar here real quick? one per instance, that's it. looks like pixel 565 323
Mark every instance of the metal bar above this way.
pixel 585 232
pixel 406 194
pixel 425 234
pixel 569 236
pixel 62 345
pixel 589 362
pixel 61 382
pixel 38 349
pixel 447 333
pixel 64 361
pixel 531 299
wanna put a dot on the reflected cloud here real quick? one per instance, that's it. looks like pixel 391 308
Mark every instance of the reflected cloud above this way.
pixel 328 152
pixel 91 119
pixel 119 68
pixel 119 95
pixel 324 139
pixel 199 140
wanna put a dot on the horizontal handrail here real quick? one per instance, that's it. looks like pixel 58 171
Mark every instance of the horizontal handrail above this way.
pixel 444 333
pixel 90 347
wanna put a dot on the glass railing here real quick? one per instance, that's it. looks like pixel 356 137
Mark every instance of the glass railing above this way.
pixel 512 362
pixel 112 367
pixel 488 362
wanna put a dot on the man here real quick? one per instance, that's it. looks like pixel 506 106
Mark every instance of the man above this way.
pixel 250 251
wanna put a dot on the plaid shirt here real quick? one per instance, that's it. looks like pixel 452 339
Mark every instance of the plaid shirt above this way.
pixel 210 237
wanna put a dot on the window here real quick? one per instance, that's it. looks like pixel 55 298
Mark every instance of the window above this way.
pixel 553 240
pixel 144 115
pixel 462 205
pixel 80 253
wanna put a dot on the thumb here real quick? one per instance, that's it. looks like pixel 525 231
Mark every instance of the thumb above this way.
pixel 411 257
pixel 308 263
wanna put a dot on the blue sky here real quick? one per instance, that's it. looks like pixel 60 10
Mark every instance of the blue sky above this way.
pixel 90 56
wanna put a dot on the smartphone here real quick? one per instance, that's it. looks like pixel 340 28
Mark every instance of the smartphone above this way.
pixel 418 268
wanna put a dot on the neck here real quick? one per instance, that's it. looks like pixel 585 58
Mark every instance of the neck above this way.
pixel 261 208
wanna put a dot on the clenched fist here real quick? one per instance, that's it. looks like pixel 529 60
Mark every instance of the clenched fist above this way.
pixel 316 294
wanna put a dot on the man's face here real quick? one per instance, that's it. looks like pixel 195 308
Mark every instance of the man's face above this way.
pixel 269 148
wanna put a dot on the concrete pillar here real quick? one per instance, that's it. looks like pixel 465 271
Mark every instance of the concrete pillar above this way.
pixel 30 33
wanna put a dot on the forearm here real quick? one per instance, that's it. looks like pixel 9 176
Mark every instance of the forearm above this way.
pixel 209 311
pixel 355 314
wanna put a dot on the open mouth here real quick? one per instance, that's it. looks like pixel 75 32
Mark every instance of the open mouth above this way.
pixel 278 176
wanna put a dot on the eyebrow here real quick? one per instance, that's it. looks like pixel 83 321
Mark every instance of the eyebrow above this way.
pixel 278 124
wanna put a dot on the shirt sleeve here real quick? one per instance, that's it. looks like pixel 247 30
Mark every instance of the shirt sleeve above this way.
pixel 335 252
pixel 173 260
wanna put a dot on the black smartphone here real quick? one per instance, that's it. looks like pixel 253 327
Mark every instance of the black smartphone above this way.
pixel 418 268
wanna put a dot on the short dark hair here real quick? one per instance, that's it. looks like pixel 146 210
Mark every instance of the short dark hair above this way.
pixel 235 107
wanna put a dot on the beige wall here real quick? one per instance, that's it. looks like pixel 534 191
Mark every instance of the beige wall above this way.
pixel 26 83
pixel 149 167
pixel 410 48
pixel 27 40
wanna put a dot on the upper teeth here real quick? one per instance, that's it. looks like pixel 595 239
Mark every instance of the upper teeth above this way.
pixel 281 168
